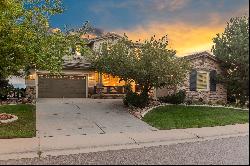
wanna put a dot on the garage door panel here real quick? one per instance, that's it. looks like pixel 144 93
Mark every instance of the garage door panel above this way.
pixel 61 87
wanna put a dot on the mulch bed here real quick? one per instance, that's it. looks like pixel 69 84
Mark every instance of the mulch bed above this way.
pixel 6 116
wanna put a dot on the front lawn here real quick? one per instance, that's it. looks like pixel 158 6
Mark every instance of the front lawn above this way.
pixel 24 127
pixel 179 116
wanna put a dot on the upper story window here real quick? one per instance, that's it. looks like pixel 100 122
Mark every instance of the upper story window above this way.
pixel 202 81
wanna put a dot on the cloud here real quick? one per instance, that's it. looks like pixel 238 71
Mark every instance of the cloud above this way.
pixel 140 5
pixel 189 24
pixel 170 5
pixel 185 38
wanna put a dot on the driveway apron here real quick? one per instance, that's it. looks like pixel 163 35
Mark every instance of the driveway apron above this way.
pixel 68 117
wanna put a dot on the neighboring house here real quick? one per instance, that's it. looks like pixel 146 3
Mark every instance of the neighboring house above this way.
pixel 78 81
pixel 200 83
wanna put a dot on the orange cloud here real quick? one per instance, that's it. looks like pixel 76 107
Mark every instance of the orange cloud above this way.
pixel 183 37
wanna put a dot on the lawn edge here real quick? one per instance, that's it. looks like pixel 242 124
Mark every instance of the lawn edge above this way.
pixel 147 110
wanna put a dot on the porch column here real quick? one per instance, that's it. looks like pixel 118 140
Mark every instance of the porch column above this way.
pixel 99 83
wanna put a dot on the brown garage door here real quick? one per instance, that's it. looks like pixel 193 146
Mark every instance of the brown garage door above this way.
pixel 50 86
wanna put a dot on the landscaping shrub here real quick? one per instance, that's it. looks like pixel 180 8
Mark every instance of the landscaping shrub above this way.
pixel 135 99
pixel 176 98
pixel 198 102
pixel 220 102
pixel 210 103
pixel 189 102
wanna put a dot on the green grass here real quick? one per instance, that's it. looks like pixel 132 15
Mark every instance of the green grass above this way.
pixel 178 116
pixel 24 127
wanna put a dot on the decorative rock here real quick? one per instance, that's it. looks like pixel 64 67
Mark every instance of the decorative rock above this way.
pixel 24 101
pixel 7 118
pixel 137 114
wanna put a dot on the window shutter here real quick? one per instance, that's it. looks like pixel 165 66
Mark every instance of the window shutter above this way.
pixel 193 80
pixel 213 81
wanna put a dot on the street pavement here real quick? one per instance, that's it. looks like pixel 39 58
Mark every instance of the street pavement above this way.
pixel 64 145
pixel 222 151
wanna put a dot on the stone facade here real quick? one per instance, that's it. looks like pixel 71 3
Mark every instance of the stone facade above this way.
pixel 200 62
pixel 31 93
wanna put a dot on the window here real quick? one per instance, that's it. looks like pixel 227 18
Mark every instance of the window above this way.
pixel 202 81
pixel 109 80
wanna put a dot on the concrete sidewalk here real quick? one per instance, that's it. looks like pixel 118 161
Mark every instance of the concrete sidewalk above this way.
pixel 63 145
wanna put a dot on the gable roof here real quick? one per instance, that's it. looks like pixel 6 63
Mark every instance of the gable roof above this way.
pixel 105 36
pixel 75 62
pixel 78 61
pixel 203 54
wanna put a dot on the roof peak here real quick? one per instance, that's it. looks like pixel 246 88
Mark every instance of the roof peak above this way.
pixel 105 36
pixel 200 54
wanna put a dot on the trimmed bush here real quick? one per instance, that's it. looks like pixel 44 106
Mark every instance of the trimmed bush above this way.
pixel 135 99
pixel 177 98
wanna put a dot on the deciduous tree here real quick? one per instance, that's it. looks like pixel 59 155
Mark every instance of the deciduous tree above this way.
pixel 150 64
pixel 27 40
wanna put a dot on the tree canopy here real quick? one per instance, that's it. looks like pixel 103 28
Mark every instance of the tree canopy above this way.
pixel 28 41
pixel 149 64
pixel 232 49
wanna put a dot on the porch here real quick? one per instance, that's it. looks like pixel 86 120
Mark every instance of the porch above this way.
pixel 109 87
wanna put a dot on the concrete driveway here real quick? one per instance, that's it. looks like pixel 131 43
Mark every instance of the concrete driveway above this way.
pixel 68 117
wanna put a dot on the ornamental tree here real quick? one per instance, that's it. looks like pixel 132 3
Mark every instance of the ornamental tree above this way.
pixel 149 64
pixel 232 49
pixel 28 41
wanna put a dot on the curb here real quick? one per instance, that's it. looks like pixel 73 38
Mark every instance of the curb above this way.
pixel 134 145
pixel 57 152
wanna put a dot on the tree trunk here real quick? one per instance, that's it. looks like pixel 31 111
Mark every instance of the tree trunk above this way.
pixel 145 91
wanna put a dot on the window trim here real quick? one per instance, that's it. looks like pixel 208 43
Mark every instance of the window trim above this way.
pixel 208 81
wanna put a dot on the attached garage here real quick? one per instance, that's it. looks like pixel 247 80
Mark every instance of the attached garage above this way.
pixel 65 86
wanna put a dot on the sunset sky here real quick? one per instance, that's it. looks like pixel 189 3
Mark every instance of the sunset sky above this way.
pixel 189 24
